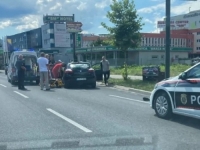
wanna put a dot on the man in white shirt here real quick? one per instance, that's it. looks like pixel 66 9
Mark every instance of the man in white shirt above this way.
pixel 105 66
pixel 43 69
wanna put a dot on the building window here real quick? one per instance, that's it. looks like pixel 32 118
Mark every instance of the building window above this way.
pixel 176 56
pixel 162 56
pixel 154 57
pixel 36 35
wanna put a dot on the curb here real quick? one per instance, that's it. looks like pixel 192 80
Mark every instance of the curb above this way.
pixel 143 92
pixel 133 90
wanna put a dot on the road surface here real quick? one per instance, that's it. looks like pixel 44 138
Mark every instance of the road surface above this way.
pixel 100 119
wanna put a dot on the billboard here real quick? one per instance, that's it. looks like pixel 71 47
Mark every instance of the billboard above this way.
pixel 175 24
pixel 53 19
pixel 61 36
pixel 74 27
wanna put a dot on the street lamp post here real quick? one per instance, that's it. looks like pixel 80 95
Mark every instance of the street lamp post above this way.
pixel 167 40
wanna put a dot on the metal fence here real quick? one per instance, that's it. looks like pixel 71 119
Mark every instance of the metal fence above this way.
pixel 119 62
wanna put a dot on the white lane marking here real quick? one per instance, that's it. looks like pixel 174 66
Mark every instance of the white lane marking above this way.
pixel 21 94
pixel 3 77
pixel 69 120
pixel 3 85
pixel 140 101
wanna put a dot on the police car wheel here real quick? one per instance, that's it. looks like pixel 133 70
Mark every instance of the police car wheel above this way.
pixel 162 105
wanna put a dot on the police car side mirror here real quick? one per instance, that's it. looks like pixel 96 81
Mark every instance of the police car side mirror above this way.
pixel 183 76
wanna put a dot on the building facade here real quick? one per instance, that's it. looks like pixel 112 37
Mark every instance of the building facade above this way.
pixel 25 40
pixel 189 23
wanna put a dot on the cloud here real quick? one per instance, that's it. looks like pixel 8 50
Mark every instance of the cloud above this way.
pixel 28 22
pixel 82 6
pixel 5 24
pixel 103 4
pixel 152 8
pixel 184 7
pixel 56 7
pixel 85 32
pixel 148 21
pixel 100 27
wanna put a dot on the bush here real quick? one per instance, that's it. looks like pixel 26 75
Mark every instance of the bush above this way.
pixel 125 72
pixel 135 70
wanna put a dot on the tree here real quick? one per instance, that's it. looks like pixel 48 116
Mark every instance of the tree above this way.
pixel 100 42
pixel 127 24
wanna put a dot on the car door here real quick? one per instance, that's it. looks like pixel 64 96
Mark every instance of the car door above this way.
pixel 98 71
pixel 187 93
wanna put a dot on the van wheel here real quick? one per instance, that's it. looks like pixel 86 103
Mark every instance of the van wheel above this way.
pixel 162 105
pixel 13 82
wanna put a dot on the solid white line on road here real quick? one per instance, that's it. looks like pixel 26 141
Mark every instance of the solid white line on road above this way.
pixel 69 120
pixel 21 94
pixel 3 85
pixel 140 101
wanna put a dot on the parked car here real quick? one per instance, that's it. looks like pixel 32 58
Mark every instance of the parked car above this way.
pixel 150 72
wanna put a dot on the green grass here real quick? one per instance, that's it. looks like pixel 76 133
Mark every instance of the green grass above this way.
pixel 137 70
pixel 137 84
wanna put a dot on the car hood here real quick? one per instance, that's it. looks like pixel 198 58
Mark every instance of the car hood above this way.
pixel 171 78
pixel 168 82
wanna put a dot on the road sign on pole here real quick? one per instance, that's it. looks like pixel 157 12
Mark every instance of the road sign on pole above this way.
pixel 74 27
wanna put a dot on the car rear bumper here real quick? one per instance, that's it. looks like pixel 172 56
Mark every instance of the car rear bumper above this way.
pixel 75 81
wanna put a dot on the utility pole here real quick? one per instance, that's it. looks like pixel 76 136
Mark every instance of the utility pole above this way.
pixel 74 42
pixel 167 39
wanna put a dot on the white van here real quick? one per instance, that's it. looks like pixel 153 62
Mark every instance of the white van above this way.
pixel 31 74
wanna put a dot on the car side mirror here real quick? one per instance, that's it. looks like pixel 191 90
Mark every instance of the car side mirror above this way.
pixel 183 76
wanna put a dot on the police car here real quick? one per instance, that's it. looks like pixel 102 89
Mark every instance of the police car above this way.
pixel 178 95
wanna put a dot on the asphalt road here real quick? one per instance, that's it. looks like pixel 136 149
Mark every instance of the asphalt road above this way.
pixel 100 119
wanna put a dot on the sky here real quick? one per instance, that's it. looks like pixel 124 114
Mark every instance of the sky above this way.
pixel 21 15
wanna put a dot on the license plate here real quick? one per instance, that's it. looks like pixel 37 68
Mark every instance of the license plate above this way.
pixel 80 79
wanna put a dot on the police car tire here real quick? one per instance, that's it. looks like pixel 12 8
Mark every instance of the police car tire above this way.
pixel 168 114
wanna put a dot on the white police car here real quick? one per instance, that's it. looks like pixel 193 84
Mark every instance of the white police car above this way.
pixel 178 95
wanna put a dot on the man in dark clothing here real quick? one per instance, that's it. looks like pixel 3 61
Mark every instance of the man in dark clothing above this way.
pixel 20 65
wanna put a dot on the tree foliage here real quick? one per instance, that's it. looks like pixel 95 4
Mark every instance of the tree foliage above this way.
pixel 101 42
pixel 127 24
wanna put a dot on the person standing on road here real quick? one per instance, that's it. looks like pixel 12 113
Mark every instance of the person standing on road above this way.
pixel 105 66
pixel 43 69
pixel 20 65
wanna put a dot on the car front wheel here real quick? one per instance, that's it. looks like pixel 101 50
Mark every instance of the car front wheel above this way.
pixel 162 105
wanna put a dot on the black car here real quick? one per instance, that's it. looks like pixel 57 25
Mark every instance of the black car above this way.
pixel 150 72
pixel 81 73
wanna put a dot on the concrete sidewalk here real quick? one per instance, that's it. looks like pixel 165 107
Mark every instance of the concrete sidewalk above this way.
pixel 131 77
